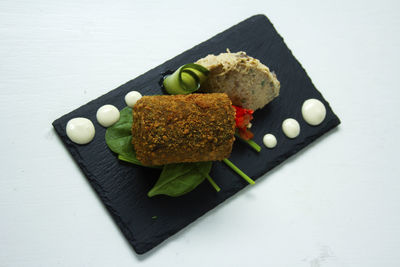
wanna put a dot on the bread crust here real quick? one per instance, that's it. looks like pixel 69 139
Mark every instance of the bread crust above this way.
pixel 183 128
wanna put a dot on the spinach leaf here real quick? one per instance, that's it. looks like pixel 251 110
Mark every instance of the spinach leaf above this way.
pixel 119 137
pixel 181 178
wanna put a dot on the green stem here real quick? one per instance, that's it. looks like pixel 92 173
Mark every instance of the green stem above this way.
pixel 251 143
pixel 238 171
pixel 212 182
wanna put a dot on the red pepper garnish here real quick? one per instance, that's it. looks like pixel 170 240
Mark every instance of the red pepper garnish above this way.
pixel 242 118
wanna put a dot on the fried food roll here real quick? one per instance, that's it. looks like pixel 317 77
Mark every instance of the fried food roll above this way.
pixel 183 128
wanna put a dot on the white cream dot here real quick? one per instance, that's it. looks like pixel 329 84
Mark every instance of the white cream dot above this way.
pixel 313 111
pixel 291 128
pixel 132 97
pixel 107 115
pixel 80 130
pixel 269 140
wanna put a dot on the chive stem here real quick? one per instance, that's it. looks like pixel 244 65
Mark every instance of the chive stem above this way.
pixel 238 171
pixel 251 143
pixel 212 182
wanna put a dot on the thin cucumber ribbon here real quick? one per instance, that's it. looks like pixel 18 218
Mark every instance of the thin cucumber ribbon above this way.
pixel 186 79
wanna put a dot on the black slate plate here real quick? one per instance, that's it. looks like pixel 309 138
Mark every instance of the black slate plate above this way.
pixel 123 187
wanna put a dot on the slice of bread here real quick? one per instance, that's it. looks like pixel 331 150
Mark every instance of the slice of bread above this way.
pixel 246 81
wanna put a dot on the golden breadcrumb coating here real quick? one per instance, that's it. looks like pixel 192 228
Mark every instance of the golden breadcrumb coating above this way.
pixel 183 128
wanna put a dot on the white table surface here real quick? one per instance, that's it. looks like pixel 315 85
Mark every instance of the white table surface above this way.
pixel 337 203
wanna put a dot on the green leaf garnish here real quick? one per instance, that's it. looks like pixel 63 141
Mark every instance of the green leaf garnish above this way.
pixel 119 137
pixel 186 79
pixel 181 178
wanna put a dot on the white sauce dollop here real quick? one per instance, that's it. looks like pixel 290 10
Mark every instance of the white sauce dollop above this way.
pixel 269 140
pixel 132 97
pixel 313 111
pixel 107 115
pixel 80 130
pixel 291 128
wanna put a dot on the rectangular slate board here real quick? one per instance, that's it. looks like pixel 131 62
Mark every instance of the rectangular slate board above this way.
pixel 123 187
